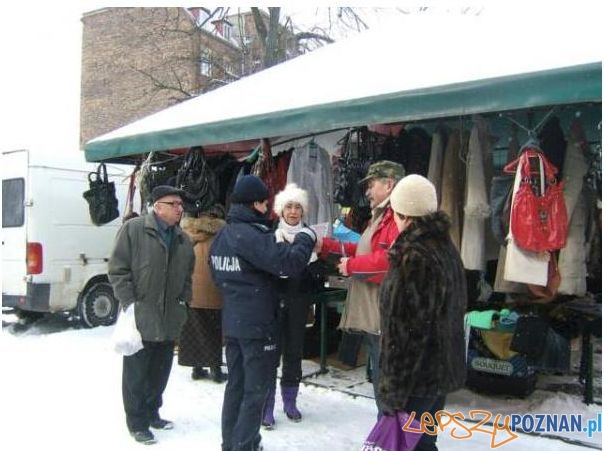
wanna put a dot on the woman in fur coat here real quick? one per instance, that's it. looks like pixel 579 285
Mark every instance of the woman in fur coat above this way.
pixel 291 205
pixel 422 302
pixel 200 344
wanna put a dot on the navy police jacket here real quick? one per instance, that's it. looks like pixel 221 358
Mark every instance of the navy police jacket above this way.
pixel 246 263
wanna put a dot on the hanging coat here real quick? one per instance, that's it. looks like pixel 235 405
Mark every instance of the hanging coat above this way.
pixel 453 183
pixel 572 260
pixel 310 169
pixel 476 209
pixel 435 169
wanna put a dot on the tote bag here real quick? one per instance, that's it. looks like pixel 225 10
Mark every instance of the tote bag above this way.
pixel 388 434
pixel 524 266
pixel 102 202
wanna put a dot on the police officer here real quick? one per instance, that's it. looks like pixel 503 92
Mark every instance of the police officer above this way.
pixel 246 263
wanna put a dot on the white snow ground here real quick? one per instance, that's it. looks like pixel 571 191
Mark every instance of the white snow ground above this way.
pixel 61 390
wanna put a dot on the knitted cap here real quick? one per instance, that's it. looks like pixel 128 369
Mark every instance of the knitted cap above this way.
pixel 291 193
pixel 414 195
pixel 249 189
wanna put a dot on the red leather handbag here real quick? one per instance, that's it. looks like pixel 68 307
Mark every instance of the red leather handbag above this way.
pixel 538 221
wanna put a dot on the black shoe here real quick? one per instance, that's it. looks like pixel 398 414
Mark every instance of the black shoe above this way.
pixel 217 375
pixel 199 373
pixel 145 437
pixel 161 424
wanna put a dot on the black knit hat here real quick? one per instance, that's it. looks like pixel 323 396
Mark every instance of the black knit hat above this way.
pixel 249 189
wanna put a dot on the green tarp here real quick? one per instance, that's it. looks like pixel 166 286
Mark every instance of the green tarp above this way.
pixel 561 86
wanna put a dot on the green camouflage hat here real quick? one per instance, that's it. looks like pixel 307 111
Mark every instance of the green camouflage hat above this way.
pixel 384 169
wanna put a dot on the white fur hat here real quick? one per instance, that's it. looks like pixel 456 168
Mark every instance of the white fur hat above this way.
pixel 414 195
pixel 291 193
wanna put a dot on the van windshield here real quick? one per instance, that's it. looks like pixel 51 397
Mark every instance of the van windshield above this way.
pixel 13 195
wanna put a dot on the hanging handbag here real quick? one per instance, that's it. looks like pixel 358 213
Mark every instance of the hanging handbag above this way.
pixel 198 181
pixel 525 266
pixel 550 290
pixel 538 219
pixel 102 202
pixel 359 152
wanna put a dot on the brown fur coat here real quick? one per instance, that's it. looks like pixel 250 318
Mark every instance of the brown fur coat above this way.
pixel 201 231
pixel 423 302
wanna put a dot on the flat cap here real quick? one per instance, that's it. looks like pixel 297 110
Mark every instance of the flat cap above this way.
pixel 165 190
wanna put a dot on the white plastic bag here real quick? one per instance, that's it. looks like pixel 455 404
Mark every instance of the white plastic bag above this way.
pixel 126 338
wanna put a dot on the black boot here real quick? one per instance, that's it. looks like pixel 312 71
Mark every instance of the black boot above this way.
pixel 199 373
pixel 217 375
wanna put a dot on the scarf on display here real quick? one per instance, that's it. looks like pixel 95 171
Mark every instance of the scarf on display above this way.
pixel 286 232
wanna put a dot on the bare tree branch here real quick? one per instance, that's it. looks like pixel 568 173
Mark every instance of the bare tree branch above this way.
pixel 310 35
pixel 162 85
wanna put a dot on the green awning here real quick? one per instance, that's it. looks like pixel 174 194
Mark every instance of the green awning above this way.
pixel 561 86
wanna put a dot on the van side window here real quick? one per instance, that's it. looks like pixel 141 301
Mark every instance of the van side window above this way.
pixel 13 196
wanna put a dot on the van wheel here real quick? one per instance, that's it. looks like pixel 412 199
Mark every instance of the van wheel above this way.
pixel 98 306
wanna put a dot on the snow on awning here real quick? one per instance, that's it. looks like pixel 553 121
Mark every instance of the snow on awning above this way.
pixel 414 67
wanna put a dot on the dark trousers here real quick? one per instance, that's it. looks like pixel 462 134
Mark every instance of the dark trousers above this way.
pixel 421 406
pixel 373 349
pixel 144 379
pixel 292 327
pixel 250 363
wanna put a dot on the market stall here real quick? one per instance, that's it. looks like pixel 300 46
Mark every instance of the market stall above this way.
pixel 453 111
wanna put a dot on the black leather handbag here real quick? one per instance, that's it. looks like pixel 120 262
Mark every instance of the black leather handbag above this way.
pixel 102 202
pixel 197 179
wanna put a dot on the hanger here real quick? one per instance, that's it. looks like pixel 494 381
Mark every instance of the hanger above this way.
pixel 532 140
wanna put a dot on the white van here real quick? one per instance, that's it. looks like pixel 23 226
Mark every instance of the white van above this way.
pixel 53 257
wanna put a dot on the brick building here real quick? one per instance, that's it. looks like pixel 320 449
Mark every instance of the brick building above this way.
pixel 137 61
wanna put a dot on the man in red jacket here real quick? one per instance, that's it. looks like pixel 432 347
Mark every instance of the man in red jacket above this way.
pixel 367 261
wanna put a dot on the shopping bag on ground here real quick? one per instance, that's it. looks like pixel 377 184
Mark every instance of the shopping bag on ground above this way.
pixel 388 434
pixel 126 338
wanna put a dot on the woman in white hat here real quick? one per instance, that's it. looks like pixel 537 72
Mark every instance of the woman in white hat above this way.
pixel 290 206
pixel 422 307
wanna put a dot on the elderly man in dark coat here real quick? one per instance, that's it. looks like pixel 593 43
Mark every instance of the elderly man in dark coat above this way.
pixel 150 267
pixel 422 304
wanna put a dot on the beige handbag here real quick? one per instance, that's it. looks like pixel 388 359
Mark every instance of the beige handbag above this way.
pixel 525 266
pixel 505 286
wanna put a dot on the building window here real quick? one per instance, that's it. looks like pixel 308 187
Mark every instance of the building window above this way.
pixel 227 30
pixel 205 67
